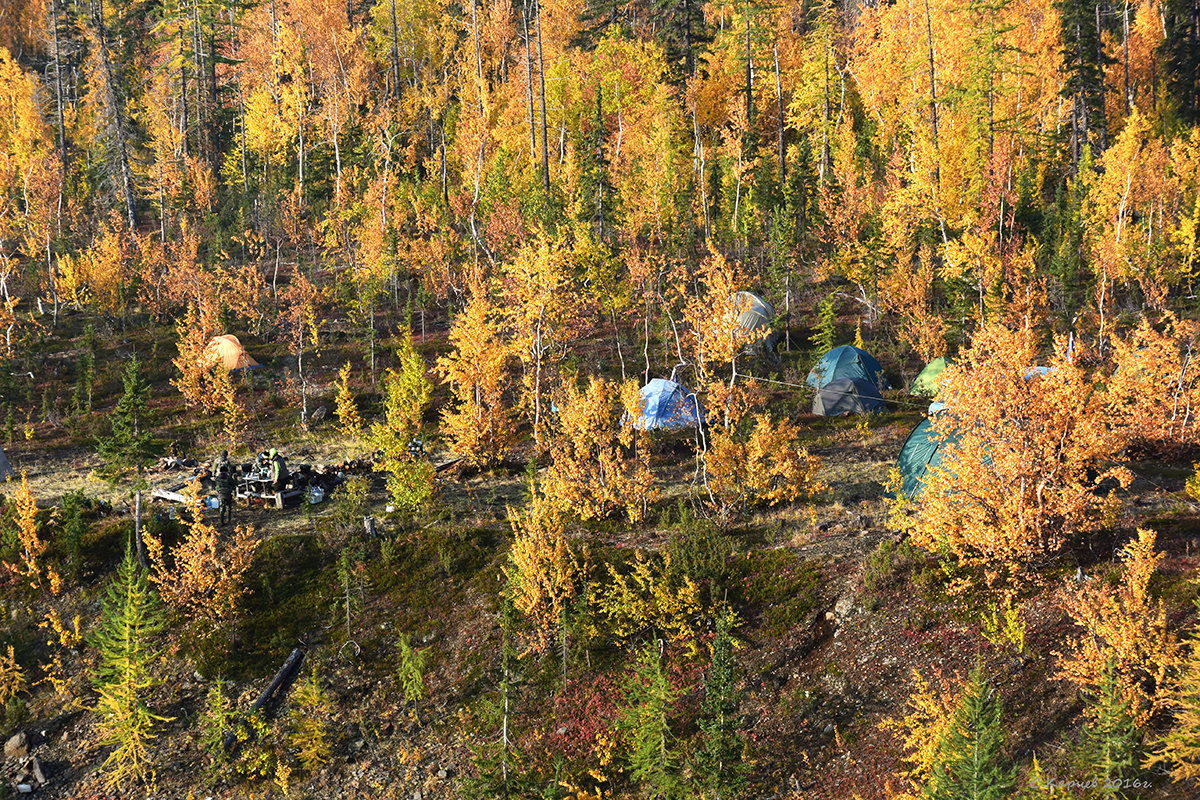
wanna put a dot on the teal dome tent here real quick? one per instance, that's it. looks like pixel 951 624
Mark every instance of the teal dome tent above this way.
pixel 921 451
pixel 850 362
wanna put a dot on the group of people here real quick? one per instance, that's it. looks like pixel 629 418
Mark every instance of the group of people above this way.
pixel 227 482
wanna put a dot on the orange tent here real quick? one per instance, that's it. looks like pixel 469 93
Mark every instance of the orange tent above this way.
pixel 231 353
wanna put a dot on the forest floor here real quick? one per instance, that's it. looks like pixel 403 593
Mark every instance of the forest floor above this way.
pixel 837 621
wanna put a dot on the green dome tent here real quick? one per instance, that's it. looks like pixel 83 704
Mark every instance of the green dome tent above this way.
pixel 926 383
pixel 850 362
pixel 921 451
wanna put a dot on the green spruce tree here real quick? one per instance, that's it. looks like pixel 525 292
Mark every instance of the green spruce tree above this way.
pixel 497 759
pixel 718 766
pixel 970 764
pixel 652 758
pixel 129 445
pixel 130 621
pixel 1110 744
pixel 1179 748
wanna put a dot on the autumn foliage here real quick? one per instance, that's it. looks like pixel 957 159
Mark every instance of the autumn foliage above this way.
pixel 480 425
pixel 1024 455
pixel 202 576
pixel 594 471
pixel 1126 627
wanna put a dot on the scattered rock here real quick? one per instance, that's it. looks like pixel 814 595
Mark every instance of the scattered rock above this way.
pixel 28 771
pixel 843 607
pixel 417 795
pixel 15 747
pixel 442 773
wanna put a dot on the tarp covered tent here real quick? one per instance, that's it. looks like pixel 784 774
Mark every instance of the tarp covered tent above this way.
pixel 6 470
pixel 847 361
pixel 666 406
pixel 232 354
pixel 847 396
pixel 921 451
pixel 927 381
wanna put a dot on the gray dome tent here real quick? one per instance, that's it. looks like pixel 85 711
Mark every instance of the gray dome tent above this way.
pixel 755 315
pixel 847 396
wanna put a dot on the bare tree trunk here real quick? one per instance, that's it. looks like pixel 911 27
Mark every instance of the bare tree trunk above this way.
pixel 183 94
pixel 396 54
pixel 529 84
pixel 542 80
pixel 933 115
pixel 779 97
pixel 825 120
pixel 113 108
pixel 58 94
pixel 138 543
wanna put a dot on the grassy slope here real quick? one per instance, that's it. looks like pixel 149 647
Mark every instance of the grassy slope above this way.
pixel 836 618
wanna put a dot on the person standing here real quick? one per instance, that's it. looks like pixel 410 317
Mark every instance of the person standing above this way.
pixel 225 486
pixel 279 470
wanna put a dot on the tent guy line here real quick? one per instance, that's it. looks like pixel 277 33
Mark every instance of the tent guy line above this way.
pixel 805 387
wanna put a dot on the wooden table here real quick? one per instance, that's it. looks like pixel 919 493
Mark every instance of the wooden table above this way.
pixel 257 487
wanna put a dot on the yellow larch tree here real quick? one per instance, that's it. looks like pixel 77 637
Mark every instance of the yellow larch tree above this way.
pixel 539 304
pixel 33 547
pixel 203 575
pixel 543 573
pixel 480 425
pixel 1123 626
pixel 589 471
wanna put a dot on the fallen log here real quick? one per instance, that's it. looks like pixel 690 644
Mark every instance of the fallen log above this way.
pixel 282 678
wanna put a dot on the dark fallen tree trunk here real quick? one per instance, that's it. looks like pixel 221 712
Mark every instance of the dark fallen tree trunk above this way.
pixel 281 681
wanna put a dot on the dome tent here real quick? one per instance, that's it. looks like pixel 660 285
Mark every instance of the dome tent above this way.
pixel 850 362
pixel 922 450
pixel 755 315
pixel 667 406
pixel 929 379
pixel 847 396
pixel 231 353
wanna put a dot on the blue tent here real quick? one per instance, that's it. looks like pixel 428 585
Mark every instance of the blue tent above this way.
pixel 667 406
pixel 847 361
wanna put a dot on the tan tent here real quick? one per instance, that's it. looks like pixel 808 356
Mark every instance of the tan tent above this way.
pixel 232 354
